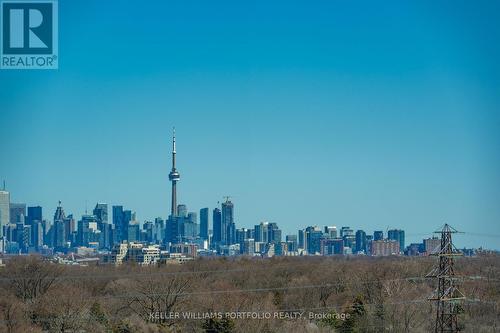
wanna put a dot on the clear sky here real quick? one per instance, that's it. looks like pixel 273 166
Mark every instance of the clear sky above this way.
pixel 371 114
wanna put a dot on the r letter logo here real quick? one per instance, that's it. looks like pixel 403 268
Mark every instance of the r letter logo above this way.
pixel 29 34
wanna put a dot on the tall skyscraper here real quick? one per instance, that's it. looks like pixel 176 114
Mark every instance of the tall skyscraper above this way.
pixel 261 232
pixel 361 241
pixel 35 218
pixel 302 239
pixel 4 209
pixel 204 223
pixel 37 233
pixel 128 216
pixel 118 222
pixel 173 230
pixel 347 234
pixel 399 236
pixel 133 230
pixel 174 177
pixel 59 214
pixel 87 230
pixel 273 233
pixel 34 214
pixel 190 228
pixel 17 213
pixel 106 237
pixel 217 225
pixel 159 230
pixel 231 234
pixel 227 227
pixel 69 227
pixel 313 240
pixel 292 242
pixel 101 213
pixel 58 233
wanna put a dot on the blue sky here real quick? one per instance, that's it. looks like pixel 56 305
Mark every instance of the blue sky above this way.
pixel 370 114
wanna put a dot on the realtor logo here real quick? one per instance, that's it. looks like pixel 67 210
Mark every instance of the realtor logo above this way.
pixel 28 34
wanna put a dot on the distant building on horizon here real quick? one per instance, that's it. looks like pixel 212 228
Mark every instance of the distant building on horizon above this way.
pixel 378 235
pixel 34 214
pixel 17 213
pixel 399 236
pixel 204 223
pixel 228 229
pixel 4 209
pixel 361 244
pixel 101 213
pixel 432 245
pixel 385 247
pixel 217 227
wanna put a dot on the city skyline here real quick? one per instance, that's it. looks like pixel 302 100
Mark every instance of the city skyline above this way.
pixel 226 220
pixel 380 117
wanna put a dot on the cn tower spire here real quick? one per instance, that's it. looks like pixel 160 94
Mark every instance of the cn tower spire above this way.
pixel 173 150
pixel 173 142
pixel 174 176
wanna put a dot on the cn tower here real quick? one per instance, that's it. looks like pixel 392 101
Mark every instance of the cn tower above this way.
pixel 174 176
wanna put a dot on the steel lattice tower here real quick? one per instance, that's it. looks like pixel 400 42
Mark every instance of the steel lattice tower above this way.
pixel 447 295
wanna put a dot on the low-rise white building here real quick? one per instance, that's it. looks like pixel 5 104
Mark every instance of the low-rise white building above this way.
pixel 133 252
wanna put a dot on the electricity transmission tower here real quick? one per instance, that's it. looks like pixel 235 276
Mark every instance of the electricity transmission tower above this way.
pixel 447 295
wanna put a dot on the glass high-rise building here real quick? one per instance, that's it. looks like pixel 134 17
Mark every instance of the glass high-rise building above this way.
pixel 217 226
pixel 378 235
pixel 17 213
pixel 182 210
pixel 361 241
pixel 204 223
pixel 331 231
pixel 127 218
pixel 313 237
pixel 227 224
pixel 292 242
pixel 101 213
pixel 261 232
pixel 399 236
pixel 118 222
pixel 273 233
pixel 231 234
pixel 34 214
pixel 302 239
pixel 37 233
pixel 173 229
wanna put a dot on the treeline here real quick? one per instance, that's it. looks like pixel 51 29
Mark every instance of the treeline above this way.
pixel 284 294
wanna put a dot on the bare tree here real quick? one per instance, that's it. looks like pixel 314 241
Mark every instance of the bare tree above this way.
pixel 12 318
pixel 152 294
pixel 29 277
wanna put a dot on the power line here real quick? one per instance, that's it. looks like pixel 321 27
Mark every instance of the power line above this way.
pixel 256 290
pixel 147 274
pixel 310 309
pixel 200 272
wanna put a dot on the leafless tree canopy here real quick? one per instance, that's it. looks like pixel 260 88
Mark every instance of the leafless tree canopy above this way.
pixel 334 294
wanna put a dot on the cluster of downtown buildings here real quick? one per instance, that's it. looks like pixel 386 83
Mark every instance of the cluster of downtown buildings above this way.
pixel 182 236
pixel 185 235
